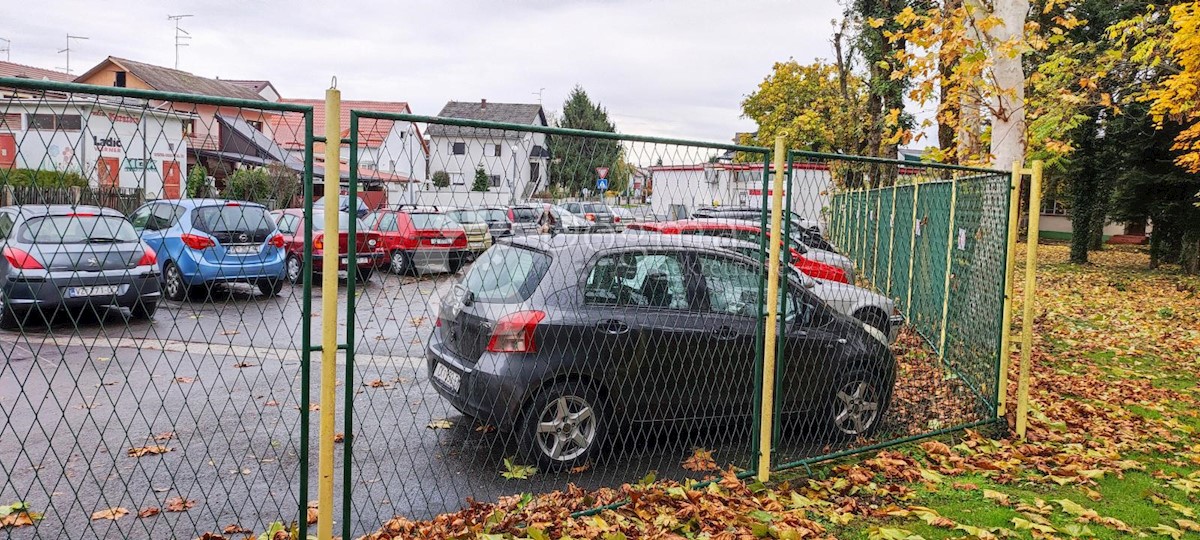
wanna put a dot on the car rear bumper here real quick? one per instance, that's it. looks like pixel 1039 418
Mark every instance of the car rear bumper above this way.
pixel 197 270
pixel 365 260
pixel 437 259
pixel 24 293
pixel 491 398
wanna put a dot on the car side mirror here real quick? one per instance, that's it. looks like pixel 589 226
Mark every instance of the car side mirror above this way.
pixel 807 281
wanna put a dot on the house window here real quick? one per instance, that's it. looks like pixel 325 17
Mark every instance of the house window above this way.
pixel 256 124
pixel 369 165
pixel 51 122
pixel 189 127
pixel 493 180
pixel 10 122
pixel 119 80
pixel 458 148
pixel 456 179
pixel 496 150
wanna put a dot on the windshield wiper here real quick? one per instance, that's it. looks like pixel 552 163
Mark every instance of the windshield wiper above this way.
pixel 102 240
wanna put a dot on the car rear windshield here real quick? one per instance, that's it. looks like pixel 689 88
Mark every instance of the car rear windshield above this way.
pixel 343 222
pixel 431 221
pixel 526 215
pixel 595 208
pixel 228 218
pixel 465 216
pixel 77 230
pixel 506 274
pixel 494 214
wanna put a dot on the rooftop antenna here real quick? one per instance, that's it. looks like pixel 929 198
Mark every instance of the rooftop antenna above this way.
pixel 68 51
pixel 7 49
pixel 539 94
pixel 181 35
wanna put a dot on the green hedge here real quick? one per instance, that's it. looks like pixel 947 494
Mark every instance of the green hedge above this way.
pixel 38 178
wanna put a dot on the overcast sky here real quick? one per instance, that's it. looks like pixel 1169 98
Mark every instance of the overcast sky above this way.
pixel 661 67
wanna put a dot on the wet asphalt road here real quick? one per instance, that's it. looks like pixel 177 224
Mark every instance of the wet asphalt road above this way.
pixel 218 382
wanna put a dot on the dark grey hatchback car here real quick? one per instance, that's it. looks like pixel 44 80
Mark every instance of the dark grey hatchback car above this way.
pixel 71 257
pixel 562 339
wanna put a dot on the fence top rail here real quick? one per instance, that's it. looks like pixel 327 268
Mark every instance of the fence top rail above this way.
pixel 896 162
pixel 137 93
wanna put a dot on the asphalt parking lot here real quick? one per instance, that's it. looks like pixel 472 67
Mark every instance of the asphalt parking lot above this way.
pixel 216 385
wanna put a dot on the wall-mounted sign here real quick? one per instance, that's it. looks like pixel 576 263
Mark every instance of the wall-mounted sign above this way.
pixel 138 164
pixel 108 144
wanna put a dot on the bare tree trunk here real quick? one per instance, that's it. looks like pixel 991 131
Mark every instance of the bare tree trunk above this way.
pixel 1008 100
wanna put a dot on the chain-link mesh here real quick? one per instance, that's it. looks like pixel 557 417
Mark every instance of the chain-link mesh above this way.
pixel 525 308
pixel 151 376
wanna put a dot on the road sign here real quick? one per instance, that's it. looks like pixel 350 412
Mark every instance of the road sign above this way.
pixel 602 172
pixel 601 184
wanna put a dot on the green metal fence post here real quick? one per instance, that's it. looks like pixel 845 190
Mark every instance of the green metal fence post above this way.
pixel 891 242
pixel 306 327
pixel 912 252
pixel 351 298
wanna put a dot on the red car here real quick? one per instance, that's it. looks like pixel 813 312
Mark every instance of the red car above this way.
pixel 417 239
pixel 740 231
pixel 291 224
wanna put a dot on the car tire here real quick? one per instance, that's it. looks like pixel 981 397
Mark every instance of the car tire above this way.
pixel 364 274
pixel 876 319
pixel 400 263
pixel 270 286
pixel 455 263
pixel 174 287
pixel 563 427
pixel 9 319
pixel 857 404
pixel 294 268
pixel 143 311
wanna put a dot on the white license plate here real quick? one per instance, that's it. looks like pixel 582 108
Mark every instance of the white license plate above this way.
pixel 95 290
pixel 361 260
pixel 476 244
pixel 441 241
pixel 243 249
pixel 447 376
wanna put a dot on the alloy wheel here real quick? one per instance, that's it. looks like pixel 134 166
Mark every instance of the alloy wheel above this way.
pixel 174 282
pixel 566 428
pixel 398 262
pixel 857 407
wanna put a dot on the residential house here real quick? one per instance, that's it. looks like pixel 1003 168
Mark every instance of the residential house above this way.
pixel 21 71
pixel 264 89
pixel 515 162
pixel 200 123
pixel 390 153
pixel 679 189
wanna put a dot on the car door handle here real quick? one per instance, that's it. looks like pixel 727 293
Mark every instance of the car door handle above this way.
pixel 612 327
pixel 725 333
pixel 835 343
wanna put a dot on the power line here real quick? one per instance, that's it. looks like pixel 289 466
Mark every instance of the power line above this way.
pixel 181 35
pixel 68 51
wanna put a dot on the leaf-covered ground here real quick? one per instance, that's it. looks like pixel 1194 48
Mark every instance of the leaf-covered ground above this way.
pixel 1112 452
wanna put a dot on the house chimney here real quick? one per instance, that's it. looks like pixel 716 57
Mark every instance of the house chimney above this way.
pixel 483 104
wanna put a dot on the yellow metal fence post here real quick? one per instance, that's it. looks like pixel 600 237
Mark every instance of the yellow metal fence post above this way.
pixel 891 242
pixel 1031 245
pixel 329 297
pixel 1010 265
pixel 766 427
pixel 949 266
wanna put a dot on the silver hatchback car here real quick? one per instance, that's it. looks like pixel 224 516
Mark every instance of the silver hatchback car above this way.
pixel 59 257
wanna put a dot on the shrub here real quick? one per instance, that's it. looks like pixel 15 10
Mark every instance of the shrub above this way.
pixel 197 182
pixel 441 179
pixel 481 180
pixel 40 178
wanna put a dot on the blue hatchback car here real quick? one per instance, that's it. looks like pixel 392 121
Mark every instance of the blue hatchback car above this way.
pixel 202 242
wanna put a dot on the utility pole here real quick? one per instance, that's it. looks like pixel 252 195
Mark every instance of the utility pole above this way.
pixel 7 50
pixel 68 51
pixel 181 35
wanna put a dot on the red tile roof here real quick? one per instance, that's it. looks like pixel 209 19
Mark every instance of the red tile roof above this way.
pixel 9 69
pixel 371 132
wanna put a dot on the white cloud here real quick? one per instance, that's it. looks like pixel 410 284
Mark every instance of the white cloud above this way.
pixel 675 68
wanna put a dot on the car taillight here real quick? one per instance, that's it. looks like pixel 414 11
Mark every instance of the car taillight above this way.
pixel 21 260
pixel 196 241
pixel 616 219
pixel 148 258
pixel 319 241
pixel 514 332
pixel 438 323
pixel 589 216
pixel 276 241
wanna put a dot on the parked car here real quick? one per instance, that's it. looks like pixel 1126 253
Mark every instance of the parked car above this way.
pixel 566 222
pixel 369 253
pixel 594 212
pixel 420 239
pixel 525 218
pixel 643 214
pixel 344 205
pixel 750 232
pixel 871 308
pixel 479 237
pixel 751 212
pixel 497 220
pixel 203 242
pixel 71 257
pixel 507 346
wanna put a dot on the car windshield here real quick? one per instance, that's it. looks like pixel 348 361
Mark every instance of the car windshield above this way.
pixel 526 215
pixel 494 214
pixel 465 216
pixel 622 212
pixel 596 208
pixel 77 229
pixel 227 218
pixel 506 274
pixel 431 221
pixel 318 222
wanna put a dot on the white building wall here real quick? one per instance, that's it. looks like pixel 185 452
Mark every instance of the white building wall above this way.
pixel 512 165
pixel 139 144
pixel 693 187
